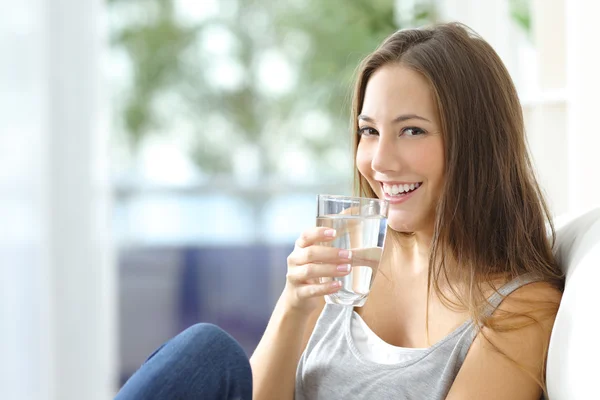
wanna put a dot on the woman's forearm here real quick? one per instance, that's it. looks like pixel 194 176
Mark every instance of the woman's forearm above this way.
pixel 276 357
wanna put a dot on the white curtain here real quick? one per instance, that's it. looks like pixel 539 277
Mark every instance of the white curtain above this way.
pixel 57 282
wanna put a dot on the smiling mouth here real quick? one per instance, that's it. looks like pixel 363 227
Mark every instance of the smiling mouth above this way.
pixel 400 189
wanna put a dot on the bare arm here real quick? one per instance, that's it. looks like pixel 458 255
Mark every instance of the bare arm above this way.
pixel 487 374
pixel 276 357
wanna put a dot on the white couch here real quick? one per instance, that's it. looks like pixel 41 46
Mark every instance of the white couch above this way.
pixel 573 369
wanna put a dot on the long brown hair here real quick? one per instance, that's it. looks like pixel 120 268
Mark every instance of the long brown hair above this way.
pixel 491 219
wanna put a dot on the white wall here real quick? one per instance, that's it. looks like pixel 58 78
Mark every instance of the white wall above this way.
pixel 57 278
pixel 583 104
pixel 545 103
pixel 562 112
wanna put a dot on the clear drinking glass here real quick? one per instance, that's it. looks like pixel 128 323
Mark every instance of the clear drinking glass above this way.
pixel 360 224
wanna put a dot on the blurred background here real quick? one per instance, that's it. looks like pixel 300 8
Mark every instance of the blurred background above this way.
pixel 158 158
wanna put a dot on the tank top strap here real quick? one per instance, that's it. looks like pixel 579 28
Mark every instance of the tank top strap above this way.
pixel 495 299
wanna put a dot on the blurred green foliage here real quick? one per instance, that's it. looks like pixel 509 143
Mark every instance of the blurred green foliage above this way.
pixel 520 11
pixel 172 83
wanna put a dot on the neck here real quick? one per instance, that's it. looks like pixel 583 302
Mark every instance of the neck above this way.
pixel 409 254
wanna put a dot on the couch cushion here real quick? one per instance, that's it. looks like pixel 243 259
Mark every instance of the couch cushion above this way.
pixel 574 353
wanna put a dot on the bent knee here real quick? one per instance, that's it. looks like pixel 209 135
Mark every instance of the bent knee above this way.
pixel 212 338
pixel 206 331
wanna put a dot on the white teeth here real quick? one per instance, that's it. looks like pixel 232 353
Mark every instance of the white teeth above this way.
pixel 394 190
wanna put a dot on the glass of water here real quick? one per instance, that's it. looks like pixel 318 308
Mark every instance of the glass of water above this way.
pixel 360 225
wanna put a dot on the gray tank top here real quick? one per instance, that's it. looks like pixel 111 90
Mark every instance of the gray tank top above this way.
pixel 331 366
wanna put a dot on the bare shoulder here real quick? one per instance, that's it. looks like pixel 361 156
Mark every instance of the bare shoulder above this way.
pixel 538 299
pixel 537 291
pixel 506 360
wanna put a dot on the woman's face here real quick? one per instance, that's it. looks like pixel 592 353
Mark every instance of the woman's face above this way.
pixel 401 152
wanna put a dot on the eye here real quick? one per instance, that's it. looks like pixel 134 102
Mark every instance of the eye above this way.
pixel 366 131
pixel 412 131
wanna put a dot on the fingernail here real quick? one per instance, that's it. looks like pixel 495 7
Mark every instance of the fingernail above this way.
pixel 344 267
pixel 329 233
pixel 345 254
pixel 336 284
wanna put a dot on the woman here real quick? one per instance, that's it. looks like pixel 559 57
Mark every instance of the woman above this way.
pixel 468 289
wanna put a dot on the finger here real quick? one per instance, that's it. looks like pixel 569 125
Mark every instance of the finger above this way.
pixel 318 289
pixel 315 235
pixel 302 273
pixel 319 254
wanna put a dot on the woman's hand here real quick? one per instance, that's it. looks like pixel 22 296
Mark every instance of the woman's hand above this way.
pixel 309 262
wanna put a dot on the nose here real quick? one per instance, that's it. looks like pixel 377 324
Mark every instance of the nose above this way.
pixel 385 158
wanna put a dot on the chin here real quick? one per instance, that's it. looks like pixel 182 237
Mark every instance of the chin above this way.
pixel 401 220
pixel 401 226
pixel 411 220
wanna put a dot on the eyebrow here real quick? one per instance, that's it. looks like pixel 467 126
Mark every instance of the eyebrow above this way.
pixel 400 118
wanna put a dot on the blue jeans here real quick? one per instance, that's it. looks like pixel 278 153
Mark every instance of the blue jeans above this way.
pixel 202 362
